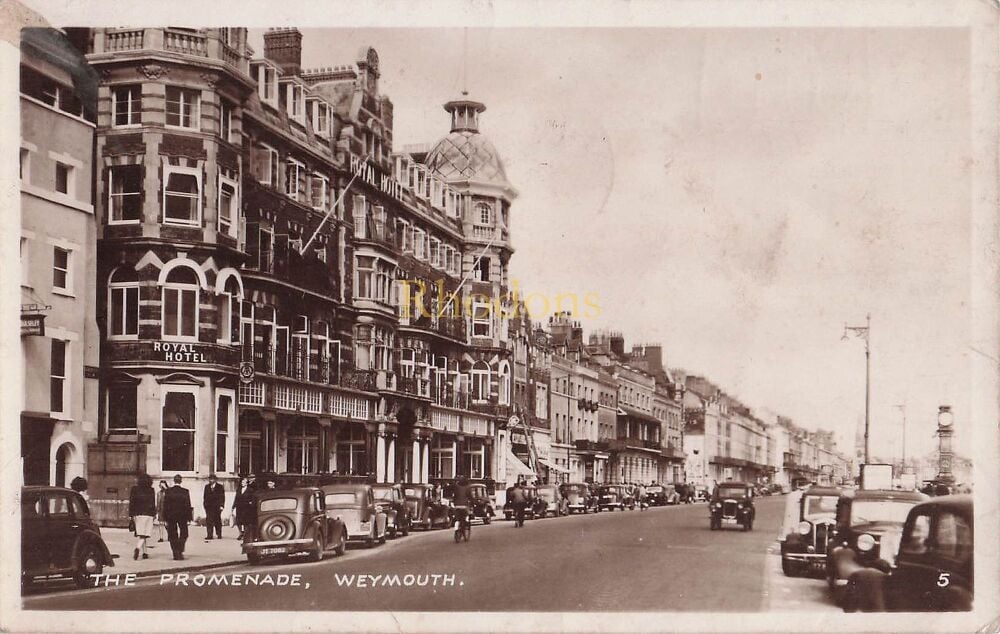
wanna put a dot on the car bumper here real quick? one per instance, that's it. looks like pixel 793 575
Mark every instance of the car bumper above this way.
pixel 277 548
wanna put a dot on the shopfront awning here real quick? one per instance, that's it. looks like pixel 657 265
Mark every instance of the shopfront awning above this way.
pixel 553 466
pixel 516 467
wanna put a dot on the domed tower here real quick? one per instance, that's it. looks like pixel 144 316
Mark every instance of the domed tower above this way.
pixel 471 165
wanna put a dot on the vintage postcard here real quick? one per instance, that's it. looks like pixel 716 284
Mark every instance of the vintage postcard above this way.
pixel 500 316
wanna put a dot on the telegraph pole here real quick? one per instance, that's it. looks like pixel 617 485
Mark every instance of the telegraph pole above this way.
pixel 864 331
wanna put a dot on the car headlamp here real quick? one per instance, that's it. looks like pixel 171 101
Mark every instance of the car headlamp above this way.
pixel 804 528
pixel 865 542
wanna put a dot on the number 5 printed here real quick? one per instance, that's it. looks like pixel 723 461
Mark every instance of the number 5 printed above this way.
pixel 944 579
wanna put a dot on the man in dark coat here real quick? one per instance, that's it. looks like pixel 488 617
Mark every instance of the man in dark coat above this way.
pixel 177 511
pixel 214 499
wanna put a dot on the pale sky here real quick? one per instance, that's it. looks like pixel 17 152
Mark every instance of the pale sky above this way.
pixel 736 195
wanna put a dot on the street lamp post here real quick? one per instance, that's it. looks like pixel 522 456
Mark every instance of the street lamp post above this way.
pixel 902 408
pixel 864 331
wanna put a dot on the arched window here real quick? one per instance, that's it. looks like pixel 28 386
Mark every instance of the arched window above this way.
pixel 480 381
pixel 227 301
pixel 484 214
pixel 504 372
pixel 180 304
pixel 123 303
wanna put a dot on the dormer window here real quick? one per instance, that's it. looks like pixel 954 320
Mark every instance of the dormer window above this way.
pixel 267 84
pixel 320 117
pixel 295 104
pixel 402 171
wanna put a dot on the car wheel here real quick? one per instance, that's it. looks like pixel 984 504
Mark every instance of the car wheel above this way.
pixel 341 546
pixel 316 553
pixel 90 563
pixel 406 529
pixel 381 539
pixel 487 519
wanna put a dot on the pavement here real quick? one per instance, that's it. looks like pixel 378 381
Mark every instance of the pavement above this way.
pixel 661 559
pixel 199 554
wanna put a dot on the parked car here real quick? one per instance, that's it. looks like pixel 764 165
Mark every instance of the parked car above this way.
pixel 58 537
pixel 530 496
pixel 701 493
pixel 291 522
pixel 579 497
pixel 481 504
pixel 553 499
pixel 391 501
pixel 614 496
pixel 869 527
pixel 662 494
pixel 354 504
pixel 933 570
pixel 732 504
pixel 810 517
pixel 427 511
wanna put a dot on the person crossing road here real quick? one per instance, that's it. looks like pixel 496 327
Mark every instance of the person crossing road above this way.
pixel 518 501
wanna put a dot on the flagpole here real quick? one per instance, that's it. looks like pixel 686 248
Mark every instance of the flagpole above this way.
pixel 868 368
pixel 322 222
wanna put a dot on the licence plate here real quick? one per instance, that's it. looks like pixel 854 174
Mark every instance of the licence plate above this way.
pixel 278 550
pixel 728 520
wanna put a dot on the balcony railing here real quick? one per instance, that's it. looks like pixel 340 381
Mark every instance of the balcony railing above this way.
pixel 197 43
pixel 295 366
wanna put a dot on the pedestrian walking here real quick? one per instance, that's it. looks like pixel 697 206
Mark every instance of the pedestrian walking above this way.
pixel 161 521
pixel 141 510
pixel 213 499
pixel 518 501
pixel 241 506
pixel 640 492
pixel 178 512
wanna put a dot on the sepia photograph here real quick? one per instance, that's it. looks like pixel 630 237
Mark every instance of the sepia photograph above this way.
pixel 501 317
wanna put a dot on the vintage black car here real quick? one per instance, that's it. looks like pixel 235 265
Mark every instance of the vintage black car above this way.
pixel 933 570
pixel 530 496
pixel 579 498
pixel 480 503
pixel 552 498
pixel 614 496
pixel 732 505
pixel 58 538
pixel 354 504
pixel 391 500
pixel 662 494
pixel 427 511
pixel 293 521
pixel 810 517
pixel 869 527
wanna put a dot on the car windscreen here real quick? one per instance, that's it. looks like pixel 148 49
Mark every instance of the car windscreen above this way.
pixel 654 489
pixel 814 506
pixel 868 511
pixel 383 494
pixel 549 495
pixel 344 498
pixel 412 492
pixel 575 488
pixel 278 504
pixel 732 492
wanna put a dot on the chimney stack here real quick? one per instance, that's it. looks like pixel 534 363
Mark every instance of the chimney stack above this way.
pixel 284 48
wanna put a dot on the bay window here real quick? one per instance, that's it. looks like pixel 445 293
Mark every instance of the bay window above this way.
pixel 480 376
pixel 482 318
pixel 124 194
pixel 126 105
pixel 123 304
pixel 360 212
pixel 364 283
pixel 183 107
pixel 180 304
pixel 181 195
pixel 229 203
pixel 228 310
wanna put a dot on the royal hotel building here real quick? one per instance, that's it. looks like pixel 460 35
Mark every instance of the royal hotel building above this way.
pixel 278 289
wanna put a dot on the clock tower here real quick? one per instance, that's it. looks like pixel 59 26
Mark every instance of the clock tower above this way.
pixel 945 453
